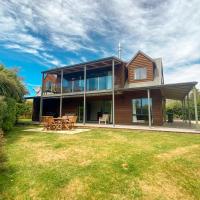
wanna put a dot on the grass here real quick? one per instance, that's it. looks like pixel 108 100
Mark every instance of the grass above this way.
pixel 101 164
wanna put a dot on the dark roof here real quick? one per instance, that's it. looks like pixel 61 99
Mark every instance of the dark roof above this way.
pixel 89 63
pixel 176 91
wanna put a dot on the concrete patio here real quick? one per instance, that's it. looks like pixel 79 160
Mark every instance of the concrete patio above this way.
pixel 68 132
pixel 177 126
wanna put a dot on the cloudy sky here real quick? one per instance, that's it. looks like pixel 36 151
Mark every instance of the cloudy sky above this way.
pixel 41 34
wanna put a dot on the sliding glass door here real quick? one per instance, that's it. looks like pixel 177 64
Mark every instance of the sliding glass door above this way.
pixel 140 110
pixel 96 109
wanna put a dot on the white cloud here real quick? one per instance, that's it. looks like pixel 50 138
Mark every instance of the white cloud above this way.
pixel 185 73
pixel 21 48
pixel 168 29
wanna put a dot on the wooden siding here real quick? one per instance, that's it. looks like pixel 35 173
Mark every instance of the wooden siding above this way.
pixel 120 76
pixel 70 105
pixel 140 61
pixel 123 106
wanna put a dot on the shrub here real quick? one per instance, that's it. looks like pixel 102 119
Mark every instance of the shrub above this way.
pixel 3 108
pixel 24 110
pixel 9 116
pixel 2 155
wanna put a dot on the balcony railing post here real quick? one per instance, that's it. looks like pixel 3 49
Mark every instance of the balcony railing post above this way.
pixel 41 98
pixel 61 92
pixel 84 95
pixel 149 107
pixel 113 92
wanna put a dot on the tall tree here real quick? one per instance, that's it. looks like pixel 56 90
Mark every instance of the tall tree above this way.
pixel 10 84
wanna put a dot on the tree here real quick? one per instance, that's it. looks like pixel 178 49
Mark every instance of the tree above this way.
pixel 10 84
pixel 9 117
pixel 176 107
pixel 24 109
pixel 12 90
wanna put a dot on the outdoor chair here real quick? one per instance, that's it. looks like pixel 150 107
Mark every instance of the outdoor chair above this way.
pixel 72 120
pixel 66 123
pixel 104 118
pixel 48 122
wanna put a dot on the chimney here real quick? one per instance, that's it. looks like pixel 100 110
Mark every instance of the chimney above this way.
pixel 119 50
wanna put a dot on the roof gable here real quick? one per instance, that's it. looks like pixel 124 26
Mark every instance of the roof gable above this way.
pixel 140 52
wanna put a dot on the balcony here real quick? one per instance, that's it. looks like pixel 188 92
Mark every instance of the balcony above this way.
pixel 98 77
pixel 96 80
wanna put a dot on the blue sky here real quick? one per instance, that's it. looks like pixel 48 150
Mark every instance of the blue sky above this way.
pixel 42 34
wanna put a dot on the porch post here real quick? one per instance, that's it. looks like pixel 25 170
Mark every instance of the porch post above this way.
pixel 182 110
pixel 185 119
pixel 195 105
pixel 84 96
pixel 61 92
pixel 149 106
pixel 41 98
pixel 113 92
pixel 189 116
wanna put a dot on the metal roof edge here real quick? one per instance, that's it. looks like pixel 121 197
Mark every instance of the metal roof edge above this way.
pixel 85 63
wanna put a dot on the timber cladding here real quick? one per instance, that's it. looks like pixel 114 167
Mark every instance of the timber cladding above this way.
pixel 123 106
pixel 140 61
pixel 120 76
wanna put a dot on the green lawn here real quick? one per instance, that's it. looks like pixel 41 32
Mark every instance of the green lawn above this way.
pixel 101 164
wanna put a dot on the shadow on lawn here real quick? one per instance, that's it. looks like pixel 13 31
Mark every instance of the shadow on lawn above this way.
pixel 7 177
pixel 6 172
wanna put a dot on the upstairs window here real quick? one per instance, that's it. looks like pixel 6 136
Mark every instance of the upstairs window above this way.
pixel 140 73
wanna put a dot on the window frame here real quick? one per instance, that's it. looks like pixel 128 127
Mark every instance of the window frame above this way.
pixel 140 73
pixel 143 102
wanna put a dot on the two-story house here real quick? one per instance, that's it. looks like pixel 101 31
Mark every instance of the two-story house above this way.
pixel 130 92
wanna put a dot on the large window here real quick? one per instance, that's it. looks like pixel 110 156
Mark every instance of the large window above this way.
pixel 140 73
pixel 140 110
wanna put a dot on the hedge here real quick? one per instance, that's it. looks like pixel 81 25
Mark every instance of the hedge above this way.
pixel 7 113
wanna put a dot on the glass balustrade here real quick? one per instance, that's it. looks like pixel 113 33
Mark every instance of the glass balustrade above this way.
pixel 99 83
pixel 94 82
pixel 74 85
